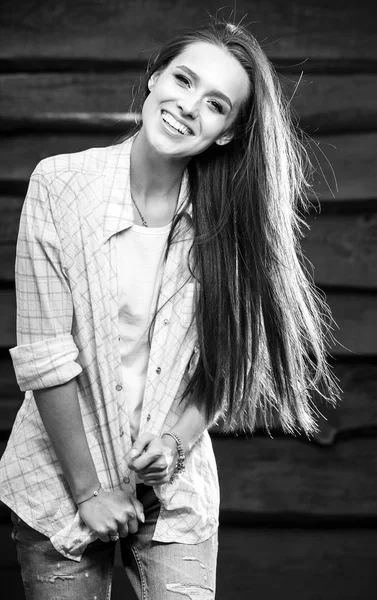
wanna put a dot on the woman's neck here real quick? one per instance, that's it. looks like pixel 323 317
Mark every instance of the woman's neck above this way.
pixel 153 176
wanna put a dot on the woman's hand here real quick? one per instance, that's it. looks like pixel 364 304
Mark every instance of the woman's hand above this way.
pixel 154 458
pixel 112 513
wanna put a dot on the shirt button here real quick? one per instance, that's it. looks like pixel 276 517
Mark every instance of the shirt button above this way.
pixel 166 321
pixel 158 370
pixel 148 417
pixel 121 432
pixel 126 480
pixel 118 387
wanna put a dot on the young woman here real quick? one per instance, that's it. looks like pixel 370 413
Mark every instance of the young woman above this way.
pixel 160 288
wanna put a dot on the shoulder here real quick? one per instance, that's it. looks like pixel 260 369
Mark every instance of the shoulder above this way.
pixel 80 182
pixel 70 178
pixel 90 162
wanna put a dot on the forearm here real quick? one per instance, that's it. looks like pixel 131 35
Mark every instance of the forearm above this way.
pixel 60 412
pixel 190 426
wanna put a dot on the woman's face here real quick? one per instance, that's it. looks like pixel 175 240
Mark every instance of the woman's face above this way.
pixel 194 101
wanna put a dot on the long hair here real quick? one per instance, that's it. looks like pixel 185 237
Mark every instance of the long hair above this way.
pixel 263 327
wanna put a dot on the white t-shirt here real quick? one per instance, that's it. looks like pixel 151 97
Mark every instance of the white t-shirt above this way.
pixel 140 257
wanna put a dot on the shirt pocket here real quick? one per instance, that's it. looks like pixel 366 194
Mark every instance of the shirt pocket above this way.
pixel 187 311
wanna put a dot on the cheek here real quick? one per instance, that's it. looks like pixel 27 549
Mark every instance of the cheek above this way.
pixel 212 120
pixel 148 104
pixel 162 90
pixel 213 126
pixel 148 114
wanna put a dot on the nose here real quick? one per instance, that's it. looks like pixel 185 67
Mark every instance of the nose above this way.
pixel 189 105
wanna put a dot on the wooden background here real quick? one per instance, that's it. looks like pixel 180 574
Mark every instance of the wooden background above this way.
pixel 298 518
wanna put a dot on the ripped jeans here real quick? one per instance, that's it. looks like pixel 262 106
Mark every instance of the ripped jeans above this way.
pixel 156 570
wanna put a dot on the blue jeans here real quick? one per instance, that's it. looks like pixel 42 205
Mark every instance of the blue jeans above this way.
pixel 156 570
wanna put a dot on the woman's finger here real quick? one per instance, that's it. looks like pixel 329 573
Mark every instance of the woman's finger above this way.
pixel 145 460
pixel 153 474
pixel 113 536
pixel 104 535
pixel 141 444
pixel 155 479
pixel 133 525
pixel 158 466
pixel 123 529
pixel 139 509
pixel 153 457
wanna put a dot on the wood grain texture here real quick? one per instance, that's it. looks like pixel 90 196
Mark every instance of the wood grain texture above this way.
pixel 356 318
pixel 345 166
pixel 355 315
pixel 7 263
pixel 260 476
pixel 69 93
pixel 341 248
pixel 10 391
pixel 8 411
pixel 110 29
pixel 7 319
pixel 10 212
pixel 95 101
pixel 334 103
pixel 315 564
pixel 21 153
pixel 353 159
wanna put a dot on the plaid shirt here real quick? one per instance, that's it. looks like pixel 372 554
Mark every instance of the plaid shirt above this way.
pixel 67 326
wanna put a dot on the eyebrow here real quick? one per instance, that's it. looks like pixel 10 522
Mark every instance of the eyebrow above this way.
pixel 196 78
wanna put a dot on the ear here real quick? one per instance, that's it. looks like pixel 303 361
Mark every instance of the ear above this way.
pixel 224 139
pixel 152 80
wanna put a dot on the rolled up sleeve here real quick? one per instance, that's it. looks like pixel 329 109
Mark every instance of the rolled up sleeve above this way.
pixel 46 353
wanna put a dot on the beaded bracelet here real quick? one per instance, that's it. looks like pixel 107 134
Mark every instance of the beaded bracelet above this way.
pixel 95 493
pixel 180 466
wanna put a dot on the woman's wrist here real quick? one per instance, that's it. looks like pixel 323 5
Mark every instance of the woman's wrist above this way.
pixel 85 487
pixel 169 441
pixel 89 495
pixel 180 461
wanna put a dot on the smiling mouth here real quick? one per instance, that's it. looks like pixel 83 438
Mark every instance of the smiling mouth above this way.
pixel 175 125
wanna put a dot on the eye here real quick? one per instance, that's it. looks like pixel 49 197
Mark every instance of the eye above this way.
pixel 182 79
pixel 217 106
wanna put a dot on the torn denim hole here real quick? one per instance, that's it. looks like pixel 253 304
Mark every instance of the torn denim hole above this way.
pixel 192 591
pixel 53 578
pixel 195 559
pixel 202 566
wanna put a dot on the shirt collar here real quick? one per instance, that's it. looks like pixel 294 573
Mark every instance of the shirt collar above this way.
pixel 119 212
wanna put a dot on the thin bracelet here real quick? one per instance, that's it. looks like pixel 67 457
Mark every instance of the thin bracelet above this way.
pixel 180 466
pixel 91 496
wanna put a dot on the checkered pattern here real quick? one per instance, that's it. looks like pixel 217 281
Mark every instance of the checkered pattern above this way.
pixel 67 326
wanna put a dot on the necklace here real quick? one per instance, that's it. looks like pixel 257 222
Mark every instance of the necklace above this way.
pixel 140 215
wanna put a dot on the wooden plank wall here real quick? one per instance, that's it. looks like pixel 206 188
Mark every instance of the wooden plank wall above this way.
pixel 296 517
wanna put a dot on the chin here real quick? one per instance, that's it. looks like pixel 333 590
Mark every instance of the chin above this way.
pixel 165 147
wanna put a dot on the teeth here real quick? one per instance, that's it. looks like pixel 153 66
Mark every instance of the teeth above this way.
pixel 175 124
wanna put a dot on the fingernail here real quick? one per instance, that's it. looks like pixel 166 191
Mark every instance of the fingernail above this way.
pixel 142 518
pixel 134 453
